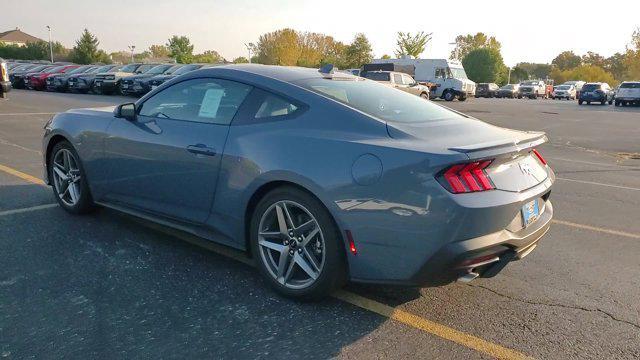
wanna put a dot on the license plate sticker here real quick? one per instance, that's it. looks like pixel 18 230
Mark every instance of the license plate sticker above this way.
pixel 530 212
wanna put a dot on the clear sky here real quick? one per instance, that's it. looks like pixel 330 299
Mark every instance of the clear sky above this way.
pixel 529 31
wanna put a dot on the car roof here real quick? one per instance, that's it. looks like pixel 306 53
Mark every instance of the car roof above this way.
pixel 282 73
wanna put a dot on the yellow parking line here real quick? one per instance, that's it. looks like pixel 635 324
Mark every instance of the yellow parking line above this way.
pixel 430 327
pixel 30 178
pixel 598 229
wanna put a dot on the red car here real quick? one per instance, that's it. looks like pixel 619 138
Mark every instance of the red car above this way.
pixel 37 81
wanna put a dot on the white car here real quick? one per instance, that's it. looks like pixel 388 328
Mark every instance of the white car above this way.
pixel 564 92
pixel 628 93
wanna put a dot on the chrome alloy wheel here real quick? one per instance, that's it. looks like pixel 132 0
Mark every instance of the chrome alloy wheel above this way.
pixel 291 244
pixel 66 177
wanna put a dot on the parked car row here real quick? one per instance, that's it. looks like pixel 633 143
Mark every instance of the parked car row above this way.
pixel 134 79
pixel 628 93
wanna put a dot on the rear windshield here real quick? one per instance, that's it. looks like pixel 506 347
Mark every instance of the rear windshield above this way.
pixel 185 69
pixel 635 85
pixel 378 100
pixel 590 87
pixel 377 76
pixel 564 87
pixel 508 87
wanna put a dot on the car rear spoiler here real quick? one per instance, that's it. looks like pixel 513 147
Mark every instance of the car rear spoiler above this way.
pixel 526 140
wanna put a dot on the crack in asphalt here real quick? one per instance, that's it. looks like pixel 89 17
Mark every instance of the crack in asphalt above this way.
pixel 574 307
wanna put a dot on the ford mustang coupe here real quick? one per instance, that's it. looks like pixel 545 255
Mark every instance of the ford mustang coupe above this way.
pixel 321 176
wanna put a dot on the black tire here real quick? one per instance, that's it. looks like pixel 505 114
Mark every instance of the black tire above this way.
pixel 610 102
pixel 85 202
pixel 462 98
pixel 424 96
pixel 333 274
pixel 580 102
pixel 617 103
pixel 448 95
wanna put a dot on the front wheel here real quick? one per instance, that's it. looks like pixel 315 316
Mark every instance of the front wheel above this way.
pixel 448 95
pixel 424 96
pixel 296 245
pixel 69 181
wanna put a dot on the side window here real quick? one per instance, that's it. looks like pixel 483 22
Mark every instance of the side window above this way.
pixel 441 73
pixel 397 78
pixel 273 105
pixel 213 101
pixel 408 80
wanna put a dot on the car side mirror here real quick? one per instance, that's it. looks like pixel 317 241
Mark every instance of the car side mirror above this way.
pixel 126 111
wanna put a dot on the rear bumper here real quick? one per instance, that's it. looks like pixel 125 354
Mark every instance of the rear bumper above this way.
pixel 455 261
pixel 106 85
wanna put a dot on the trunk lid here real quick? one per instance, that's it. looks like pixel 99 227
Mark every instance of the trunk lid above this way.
pixel 514 166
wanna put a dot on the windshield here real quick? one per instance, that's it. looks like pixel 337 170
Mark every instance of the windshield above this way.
pixel 172 69
pixel 159 69
pixel 55 69
pixel 145 68
pixel 529 83
pixel 508 87
pixel 38 68
pixel 129 68
pixel 564 87
pixel 591 87
pixel 458 73
pixel 100 69
pixel 78 70
pixel 378 100
pixel 185 69
pixel 630 85
pixel 377 76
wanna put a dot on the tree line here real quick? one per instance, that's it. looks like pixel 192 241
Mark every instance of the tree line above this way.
pixel 479 53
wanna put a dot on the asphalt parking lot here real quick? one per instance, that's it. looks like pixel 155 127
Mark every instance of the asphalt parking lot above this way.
pixel 108 286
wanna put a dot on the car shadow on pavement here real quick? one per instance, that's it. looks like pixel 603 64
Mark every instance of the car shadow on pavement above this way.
pixel 103 286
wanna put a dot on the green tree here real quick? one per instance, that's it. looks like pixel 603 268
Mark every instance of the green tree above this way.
pixel 386 57
pixel 484 65
pixel 592 58
pixel 240 60
pixel 86 49
pixel 467 43
pixel 536 71
pixel 411 45
pixel 159 51
pixel 615 64
pixel 181 49
pixel 359 52
pixel 280 47
pixel 589 73
pixel 567 60
pixel 209 56
pixel 518 75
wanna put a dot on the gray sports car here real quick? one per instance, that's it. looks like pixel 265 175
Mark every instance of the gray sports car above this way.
pixel 321 176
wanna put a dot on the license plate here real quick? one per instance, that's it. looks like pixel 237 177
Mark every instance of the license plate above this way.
pixel 98 84
pixel 125 86
pixel 530 212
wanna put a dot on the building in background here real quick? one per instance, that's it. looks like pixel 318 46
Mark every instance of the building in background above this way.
pixel 17 37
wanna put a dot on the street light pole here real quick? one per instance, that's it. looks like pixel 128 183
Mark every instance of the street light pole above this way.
pixel 132 47
pixel 509 81
pixel 248 46
pixel 50 44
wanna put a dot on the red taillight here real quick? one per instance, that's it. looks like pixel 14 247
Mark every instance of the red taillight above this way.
pixel 539 156
pixel 468 177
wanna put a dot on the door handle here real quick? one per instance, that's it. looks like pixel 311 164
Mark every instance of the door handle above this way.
pixel 201 149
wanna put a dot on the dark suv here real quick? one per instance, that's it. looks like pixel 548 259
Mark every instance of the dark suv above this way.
pixel 596 92
pixel 487 90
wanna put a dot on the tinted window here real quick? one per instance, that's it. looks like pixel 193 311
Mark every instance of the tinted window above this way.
pixel 156 69
pixel 185 69
pixel 129 68
pixel 212 101
pixel 377 76
pixel 441 73
pixel 273 105
pixel 590 87
pixel 630 86
pixel 378 100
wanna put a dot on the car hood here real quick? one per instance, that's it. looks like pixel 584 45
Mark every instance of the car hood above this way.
pixel 98 111
pixel 465 135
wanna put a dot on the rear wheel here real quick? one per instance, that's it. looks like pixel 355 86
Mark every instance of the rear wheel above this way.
pixel 580 102
pixel 296 245
pixel 69 182
pixel 424 96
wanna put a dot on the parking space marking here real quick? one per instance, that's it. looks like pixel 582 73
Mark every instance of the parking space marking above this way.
pixel 29 209
pixel 588 162
pixel 434 328
pixel 24 176
pixel 597 229
pixel 600 184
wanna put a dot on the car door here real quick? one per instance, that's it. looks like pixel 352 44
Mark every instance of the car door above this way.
pixel 410 84
pixel 167 160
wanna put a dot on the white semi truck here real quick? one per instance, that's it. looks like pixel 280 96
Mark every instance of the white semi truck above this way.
pixel 448 75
